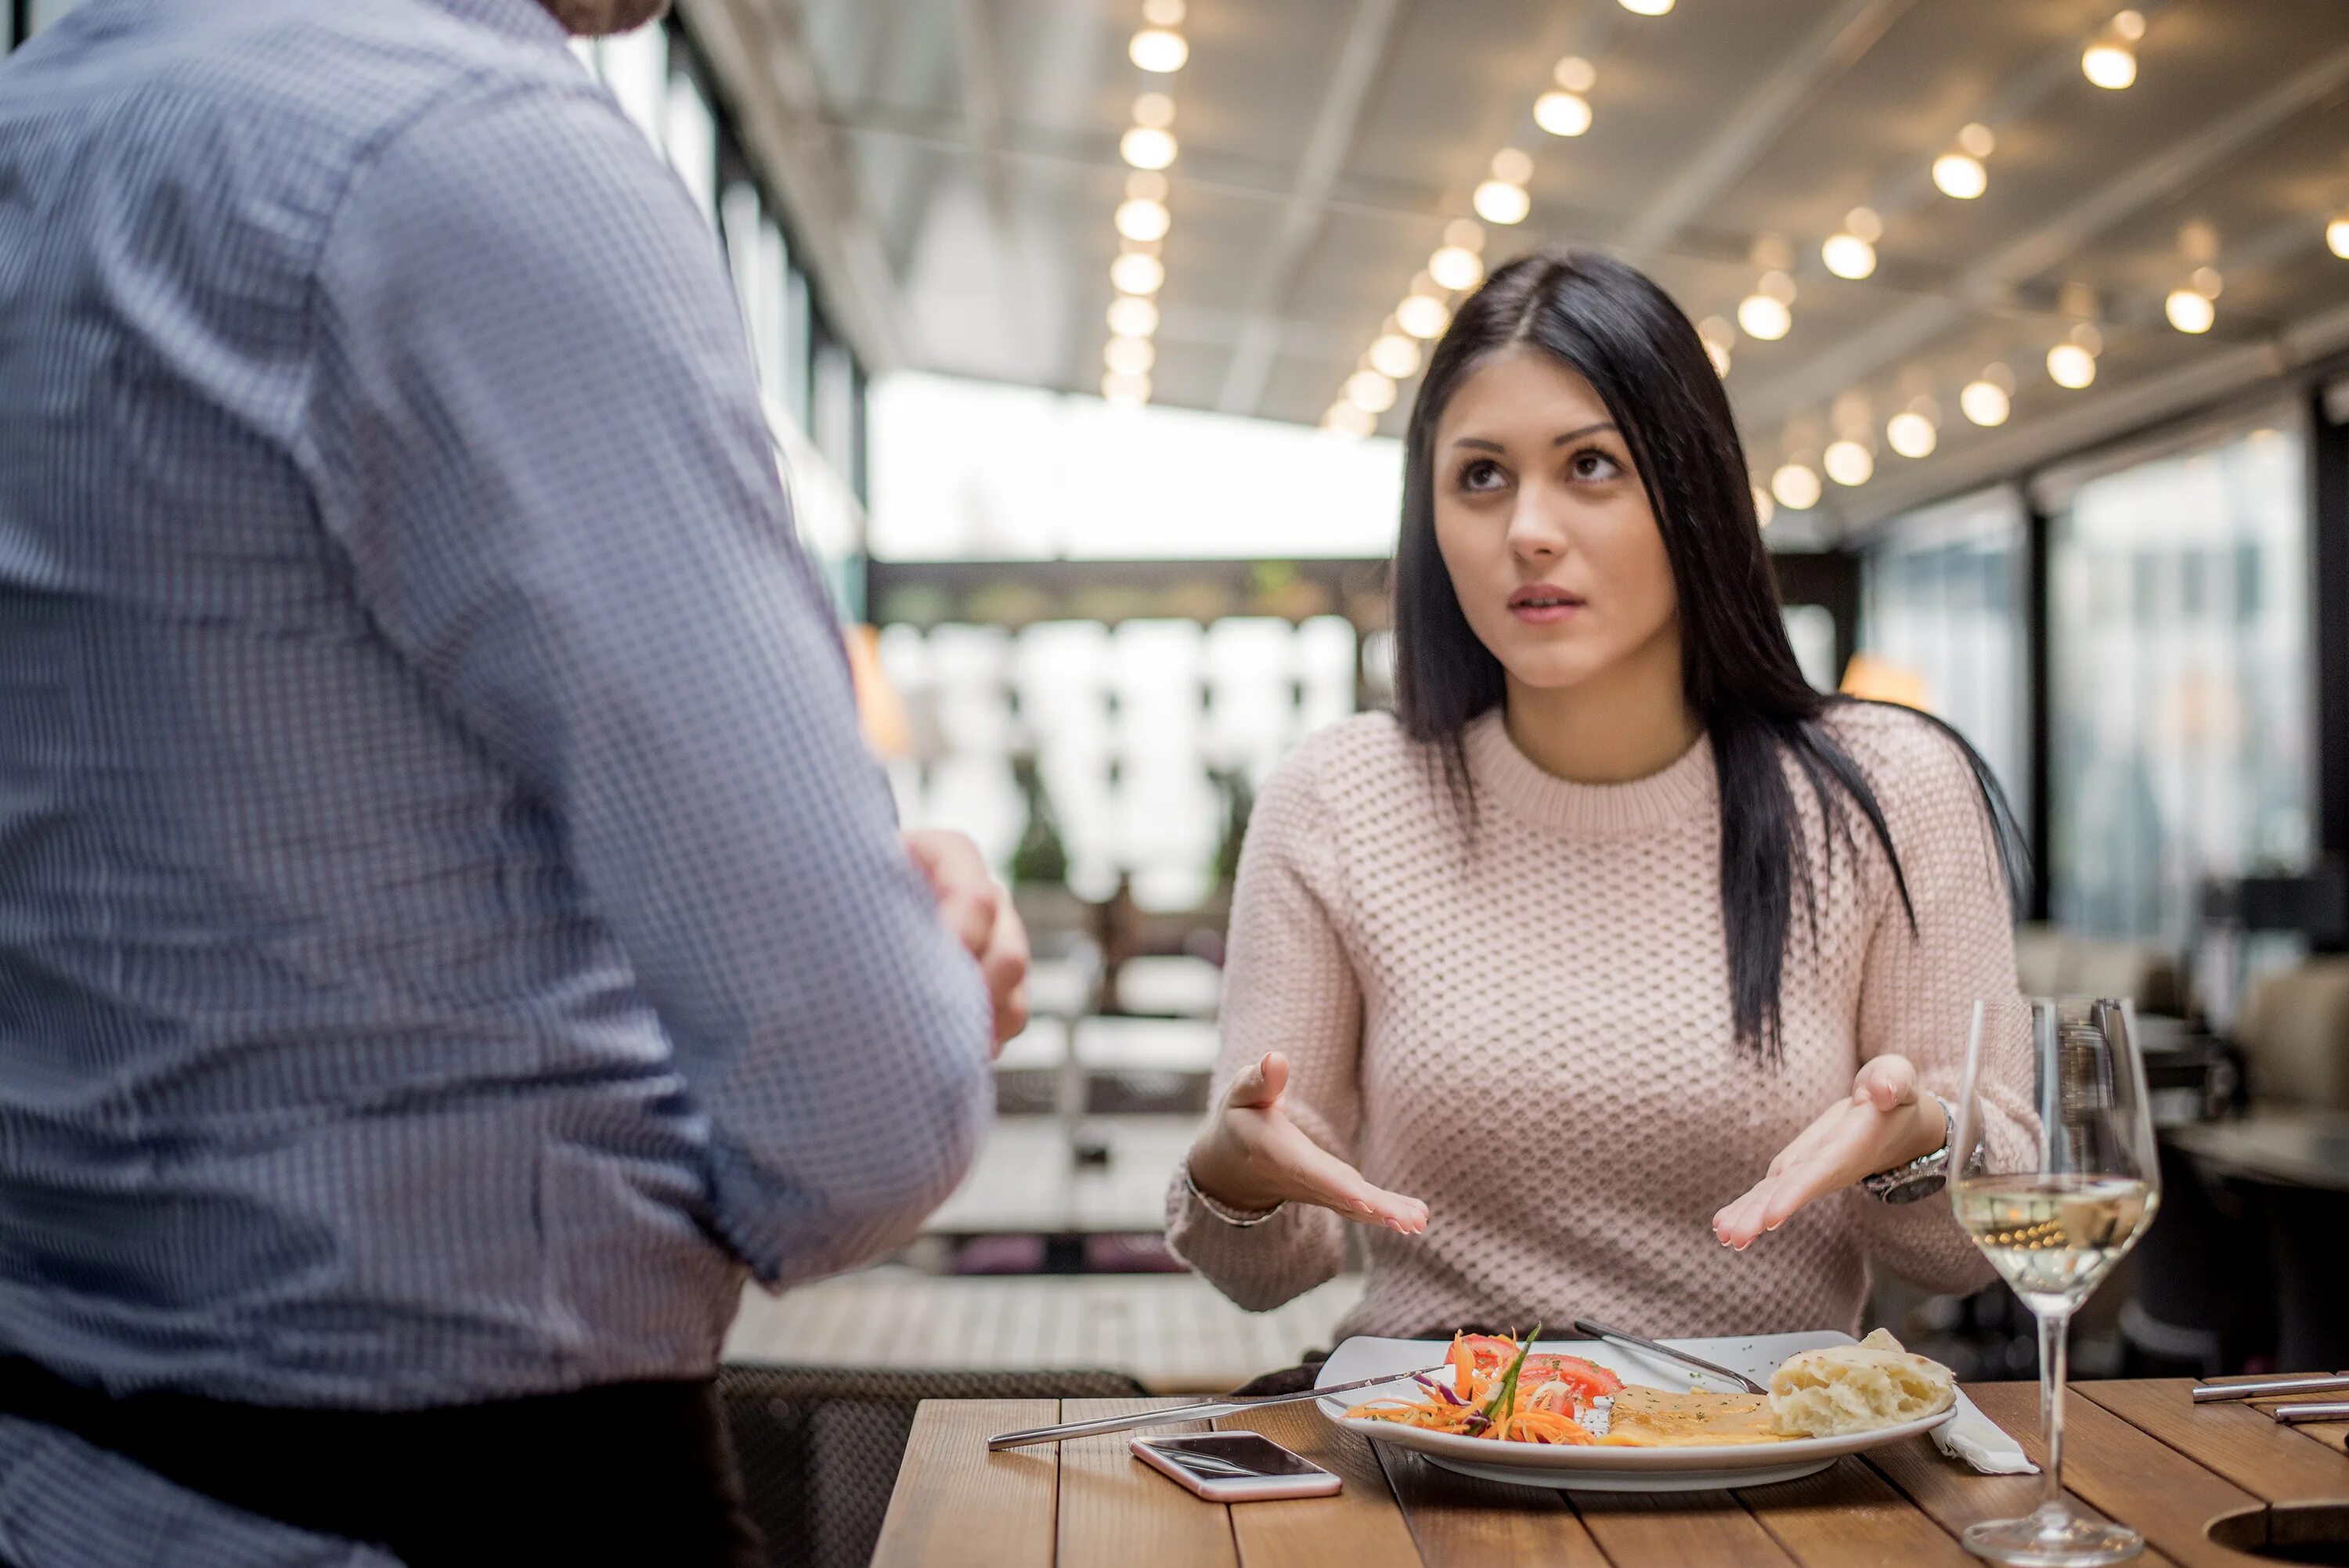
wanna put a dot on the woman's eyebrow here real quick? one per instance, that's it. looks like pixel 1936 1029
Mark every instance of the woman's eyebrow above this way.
pixel 1585 430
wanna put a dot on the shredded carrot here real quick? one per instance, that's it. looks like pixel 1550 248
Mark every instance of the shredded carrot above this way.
pixel 1533 1418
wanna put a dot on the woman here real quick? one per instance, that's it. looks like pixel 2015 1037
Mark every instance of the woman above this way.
pixel 1617 948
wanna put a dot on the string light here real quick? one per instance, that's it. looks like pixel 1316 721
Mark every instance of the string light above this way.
pixel 1137 273
pixel 1575 74
pixel 1129 356
pixel 2336 236
pixel 1848 463
pixel 1847 255
pixel 1350 420
pixel 2071 365
pixel 1499 201
pixel 1983 400
pixel 1163 13
pixel 1146 147
pixel 1911 434
pixel 1132 317
pixel 1158 50
pixel 1765 507
pixel 1562 113
pixel 1795 486
pixel 1647 8
pixel 2189 310
pixel 1718 337
pixel 1370 391
pixel 1456 267
pixel 1143 219
pixel 1767 312
pixel 1423 316
pixel 1395 356
pixel 1960 174
pixel 1975 140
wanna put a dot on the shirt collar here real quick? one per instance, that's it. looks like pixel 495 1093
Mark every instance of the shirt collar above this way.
pixel 524 20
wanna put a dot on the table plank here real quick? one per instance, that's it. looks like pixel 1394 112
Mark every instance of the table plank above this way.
pixel 2242 1444
pixel 1686 1529
pixel 1460 1521
pixel 1953 1496
pixel 1849 1514
pixel 2129 1474
pixel 955 1502
pixel 1362 1527
pixel 1110 1500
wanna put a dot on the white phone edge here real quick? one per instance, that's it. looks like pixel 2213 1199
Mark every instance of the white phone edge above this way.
pixel 1255 1489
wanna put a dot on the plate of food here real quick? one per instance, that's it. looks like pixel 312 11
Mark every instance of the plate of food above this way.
pixel 1579 1413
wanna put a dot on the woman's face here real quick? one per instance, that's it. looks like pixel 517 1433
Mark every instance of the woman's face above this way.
pixel 1545 526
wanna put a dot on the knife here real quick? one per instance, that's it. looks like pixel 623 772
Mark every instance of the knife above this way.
pixel 1616 1336
pixel 1201 1410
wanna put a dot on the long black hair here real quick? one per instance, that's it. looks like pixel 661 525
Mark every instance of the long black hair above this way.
pixel 1624 335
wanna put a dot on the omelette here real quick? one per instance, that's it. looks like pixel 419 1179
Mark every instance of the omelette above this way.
pixel 1659 1419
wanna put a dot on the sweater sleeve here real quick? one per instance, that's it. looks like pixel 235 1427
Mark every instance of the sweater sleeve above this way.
pixel 1918 990
pixel 1289 986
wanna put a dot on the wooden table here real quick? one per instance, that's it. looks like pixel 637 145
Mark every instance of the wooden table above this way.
pixel 2138 1451
pixel 1175 1333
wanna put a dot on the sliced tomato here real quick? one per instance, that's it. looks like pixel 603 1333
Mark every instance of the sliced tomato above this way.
pixel 1587 1379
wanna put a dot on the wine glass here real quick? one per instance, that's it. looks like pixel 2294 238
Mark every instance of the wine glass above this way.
pixel 2058 1179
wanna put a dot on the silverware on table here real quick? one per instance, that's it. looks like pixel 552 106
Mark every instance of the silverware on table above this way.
pixel 2311 1410
pixel 2269 1388
pixel 1201 1410
pixel 1633 1342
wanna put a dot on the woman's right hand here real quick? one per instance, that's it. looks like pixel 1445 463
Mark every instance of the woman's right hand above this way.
pixel 1253 1157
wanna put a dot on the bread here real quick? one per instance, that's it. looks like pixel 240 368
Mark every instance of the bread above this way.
pixel 1857 1388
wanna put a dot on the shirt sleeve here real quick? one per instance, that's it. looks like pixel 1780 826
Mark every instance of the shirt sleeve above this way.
pixel 1918 990
pixel 1290 986
pixel 536 436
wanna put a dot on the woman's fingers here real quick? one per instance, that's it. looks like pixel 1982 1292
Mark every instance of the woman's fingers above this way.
pixel 1888 1082
pixel 1309 1174
pixel 1260 1085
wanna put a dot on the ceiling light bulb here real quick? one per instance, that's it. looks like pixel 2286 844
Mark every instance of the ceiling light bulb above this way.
pixel 2086 335
pixel 1499 201
pixel 1141 219
pixel 1765 507
pixel 2109 66
pixel 1575 74
pixel 1849 463
pixel 1350 420
pixel 1562 113
pixel 1129 356
pixel 1720 358
pixel 1125 391
pixel 1715 329
pixel 1158 49
pixel 1960 174
pixel 2189 311
pixel 1911 434
pixel 1370 391
pixel 1423 316
pixel 1764 317
pixel 1848 256
pixel 1456 267
pixel 2336 236
pixel 1163 13
pixel 1130 316
pixel 1797 486
pixel 1983 402
pixel 2206 281
pixel 1155 111
pixel 1137 273
pixel 2069 365
pixel 1777 285
pixel 1146 148
pixel 1976 139
pixel 2130 25
pixel 1513 165
pixel 1863 222
pixel 1647 8
pixel 1395 356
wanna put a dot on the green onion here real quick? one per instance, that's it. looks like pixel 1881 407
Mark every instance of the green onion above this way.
pixel 1503 1402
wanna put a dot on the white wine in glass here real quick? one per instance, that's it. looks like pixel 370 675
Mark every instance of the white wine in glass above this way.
pixel 2058 1179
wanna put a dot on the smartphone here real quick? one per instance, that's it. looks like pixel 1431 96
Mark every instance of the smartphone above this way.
pixel 1235 1467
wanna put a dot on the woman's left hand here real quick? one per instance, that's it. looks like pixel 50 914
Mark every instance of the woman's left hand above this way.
pixel 1887 1121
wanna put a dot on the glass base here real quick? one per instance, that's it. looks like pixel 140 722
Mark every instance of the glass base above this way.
pixel 2051 1538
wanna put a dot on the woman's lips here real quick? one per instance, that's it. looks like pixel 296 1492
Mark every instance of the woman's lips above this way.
pixel 1538 604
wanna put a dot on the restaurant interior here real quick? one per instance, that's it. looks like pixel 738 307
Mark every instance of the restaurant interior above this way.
pixel 1088 331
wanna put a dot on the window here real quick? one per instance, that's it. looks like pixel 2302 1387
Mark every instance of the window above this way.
pixel 2181 719
pixel 1942 600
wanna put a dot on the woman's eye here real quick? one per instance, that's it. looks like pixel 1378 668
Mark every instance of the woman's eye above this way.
pixel 1482 474
pixel 1593 465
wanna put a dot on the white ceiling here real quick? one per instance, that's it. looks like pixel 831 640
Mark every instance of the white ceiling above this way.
pixel 969 148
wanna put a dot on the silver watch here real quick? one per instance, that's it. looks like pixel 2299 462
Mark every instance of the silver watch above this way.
pixel 1925 1175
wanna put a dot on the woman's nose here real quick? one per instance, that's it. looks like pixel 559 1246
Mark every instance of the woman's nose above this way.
pixel 1534 533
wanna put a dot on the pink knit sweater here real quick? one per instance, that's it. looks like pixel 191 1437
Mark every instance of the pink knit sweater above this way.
pixel 1533 1033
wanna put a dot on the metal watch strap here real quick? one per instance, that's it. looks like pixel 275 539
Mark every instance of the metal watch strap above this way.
pixel 1923 1176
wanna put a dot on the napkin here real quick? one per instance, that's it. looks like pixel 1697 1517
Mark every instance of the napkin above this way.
pixel 1975 1439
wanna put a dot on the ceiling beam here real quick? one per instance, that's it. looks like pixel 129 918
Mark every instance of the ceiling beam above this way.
pixel 1360 60
pixel 759 50
pixel 1826 53
pixel 2192 156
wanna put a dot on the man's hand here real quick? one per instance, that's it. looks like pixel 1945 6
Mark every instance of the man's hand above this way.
pixel 979 911
pixel 1882 1123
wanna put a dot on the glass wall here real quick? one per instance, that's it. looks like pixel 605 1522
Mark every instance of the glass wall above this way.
pixel 2181 717
pixel 1942 598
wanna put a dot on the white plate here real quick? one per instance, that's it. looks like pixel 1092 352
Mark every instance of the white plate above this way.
pixel 1601 1469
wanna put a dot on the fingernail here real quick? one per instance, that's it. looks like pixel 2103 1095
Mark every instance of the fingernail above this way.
pixel 1361 1207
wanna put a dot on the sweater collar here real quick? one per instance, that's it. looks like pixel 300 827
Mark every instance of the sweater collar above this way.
pixel 1682 790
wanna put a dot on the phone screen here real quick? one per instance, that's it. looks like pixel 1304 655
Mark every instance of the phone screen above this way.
pixel 1231 1456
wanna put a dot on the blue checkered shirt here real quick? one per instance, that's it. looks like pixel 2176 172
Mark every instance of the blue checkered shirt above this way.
pixel 448 929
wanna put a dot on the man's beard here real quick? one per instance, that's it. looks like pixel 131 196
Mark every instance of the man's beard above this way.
pixel 594 19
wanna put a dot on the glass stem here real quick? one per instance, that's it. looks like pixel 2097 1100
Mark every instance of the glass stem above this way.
pixel 2054 1332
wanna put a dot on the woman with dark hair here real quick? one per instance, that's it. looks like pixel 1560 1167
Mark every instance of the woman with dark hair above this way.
pixel 1617 947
